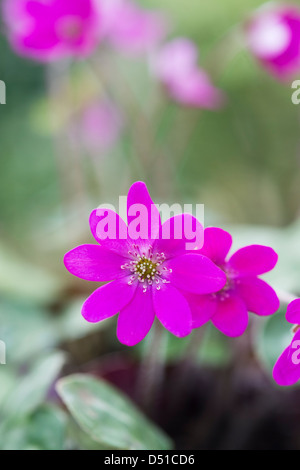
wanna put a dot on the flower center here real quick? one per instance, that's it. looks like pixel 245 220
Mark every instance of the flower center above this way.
pixel 270 37
pixel 223 294
pixel 69 28
pixel 147 267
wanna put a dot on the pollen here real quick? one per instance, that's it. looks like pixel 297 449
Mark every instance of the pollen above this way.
pixel 146 269
pixel 224 293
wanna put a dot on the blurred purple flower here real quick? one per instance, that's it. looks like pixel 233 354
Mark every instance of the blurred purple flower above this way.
pixel 287 368
pixel 273 37
pixel 148 273
pixel 101 126
pixel 176 66
pixel 244 290
pixel 130 28
pixel 46 30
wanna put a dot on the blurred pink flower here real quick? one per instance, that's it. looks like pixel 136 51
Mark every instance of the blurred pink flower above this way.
pixel 130 28
pixel 101 126
pixel 47 30
pixel 176 66
pixel 273 37
pixel 148 273
pixel 287 368
pixel 244 290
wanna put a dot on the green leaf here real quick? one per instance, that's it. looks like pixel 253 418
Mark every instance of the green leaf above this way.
pixel 80 440
pixel 25 329
pixel 8 380
pixel 45 429
pixel 32 388
pixel 71 325
pixel 108 416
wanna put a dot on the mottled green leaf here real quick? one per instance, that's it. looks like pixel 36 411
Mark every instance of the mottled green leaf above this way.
pixel 31 390
pixel 108 416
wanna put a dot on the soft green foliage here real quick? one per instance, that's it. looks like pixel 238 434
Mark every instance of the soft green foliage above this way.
pixel 44 429
pixel 242 162
pixel 26 422
pixel 107 416
pixel 31 390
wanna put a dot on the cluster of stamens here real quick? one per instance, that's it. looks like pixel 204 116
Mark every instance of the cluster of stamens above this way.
pixel 224 293
pixel 146 267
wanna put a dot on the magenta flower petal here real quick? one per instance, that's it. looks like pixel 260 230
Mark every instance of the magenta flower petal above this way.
pixel 253 260
pixel 231 316
pixel 110 230
pixel 258 296
pixel 94 263
pixel 142 214
pixel 179 234
pixel 217 243
pixel 172 310
pixel 175 65
pixel 195 273
pixel 132 29
pixel 286 370
pixel 293 312
pixel 203 307
pixel 136 319
pixel 48 31
pixel 41 42
pixel 273 37
pixel 243 291
pixel 107 301
pixel 175 58
pixel 153 274
pixel 196 90
pixel 82 8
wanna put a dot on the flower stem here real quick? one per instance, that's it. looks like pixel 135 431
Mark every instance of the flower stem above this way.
pixel 66 145
pixel 152 367
pixel 192 350
pixel 183 372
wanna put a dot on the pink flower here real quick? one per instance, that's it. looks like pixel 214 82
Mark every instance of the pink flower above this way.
pixel 130 28
pixel 101 126
pixel 287 368
pixel 244 290
pixel 47 30
pixel 273 36
pixel 148 273
pixel 176 66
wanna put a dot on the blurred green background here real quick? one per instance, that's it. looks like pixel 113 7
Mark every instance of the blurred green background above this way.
pixel 242 162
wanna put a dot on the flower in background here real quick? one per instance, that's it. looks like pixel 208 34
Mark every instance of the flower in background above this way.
pixel 47 30
pixel 244 290
pixel 175 65
pixel 130 28
pixel 101 126
pixel 273 37
pixel 148 273
pixel 287 368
